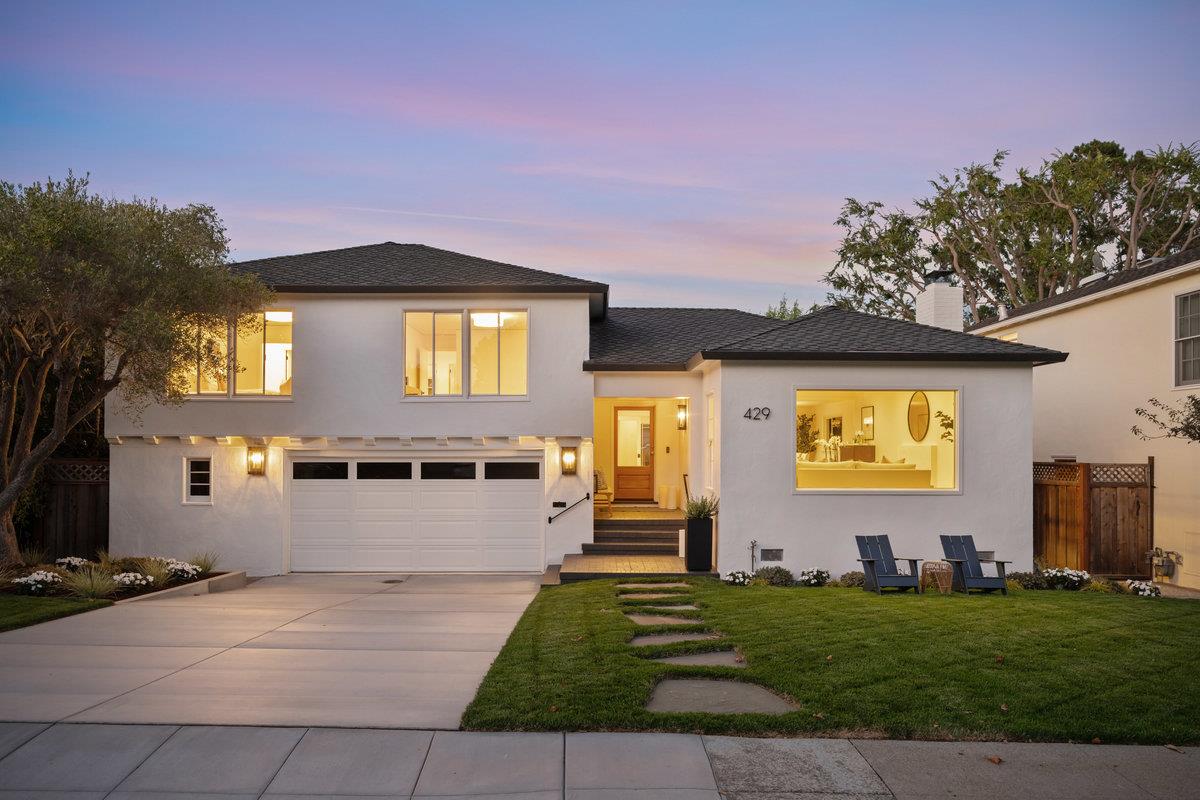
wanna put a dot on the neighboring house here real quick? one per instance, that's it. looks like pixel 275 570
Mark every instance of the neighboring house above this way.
pixel 1132 335
pixel 403 408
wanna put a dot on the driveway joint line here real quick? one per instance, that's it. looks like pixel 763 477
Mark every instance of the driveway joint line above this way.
pixel 867 761
pixel 421 769
pixel 138 765
pixel 283 763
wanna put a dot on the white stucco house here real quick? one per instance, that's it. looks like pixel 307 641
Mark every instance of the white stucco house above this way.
pixel 404 408
pixel 1132 335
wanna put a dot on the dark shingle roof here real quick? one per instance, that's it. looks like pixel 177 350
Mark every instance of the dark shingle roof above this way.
pixel 391 267
pixel 665 338
pixel 835 334
pixel 1102 285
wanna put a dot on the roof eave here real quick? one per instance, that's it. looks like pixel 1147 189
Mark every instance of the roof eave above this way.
pixel 599 289
pixel 633 366
pixel 1047 357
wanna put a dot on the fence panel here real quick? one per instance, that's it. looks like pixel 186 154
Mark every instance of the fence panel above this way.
pixel 75 522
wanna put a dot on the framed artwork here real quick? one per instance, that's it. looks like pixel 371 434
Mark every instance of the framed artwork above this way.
pixel 833 427
pixel 867 422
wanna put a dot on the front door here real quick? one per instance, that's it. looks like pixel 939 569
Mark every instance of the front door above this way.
pixel 633 429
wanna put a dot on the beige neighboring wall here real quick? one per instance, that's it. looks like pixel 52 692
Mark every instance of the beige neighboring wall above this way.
pixel 1122 350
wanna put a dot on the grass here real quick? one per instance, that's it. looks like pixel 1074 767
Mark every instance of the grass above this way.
pixel 1036 665
pixel 17 611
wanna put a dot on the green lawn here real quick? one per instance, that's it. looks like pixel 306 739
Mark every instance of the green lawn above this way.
pixel 17 611
pixel 1034 665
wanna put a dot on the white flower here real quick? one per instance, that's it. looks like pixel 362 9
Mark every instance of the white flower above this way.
pixel 738 578
pixel 813 577
pixel 71 562
pixel 1143 588
pixel 1065 578
pixel 36 582
pixel 180 569
pixel 135 579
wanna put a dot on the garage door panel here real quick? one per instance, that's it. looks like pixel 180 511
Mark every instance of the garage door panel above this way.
pixel 413 524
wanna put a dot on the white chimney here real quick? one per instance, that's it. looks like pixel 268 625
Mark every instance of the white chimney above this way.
pixel 940 304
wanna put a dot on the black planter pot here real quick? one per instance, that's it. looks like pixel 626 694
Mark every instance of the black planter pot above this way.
pixel 698 548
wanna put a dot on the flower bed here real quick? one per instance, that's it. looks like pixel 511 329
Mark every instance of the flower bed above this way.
pixel 106 577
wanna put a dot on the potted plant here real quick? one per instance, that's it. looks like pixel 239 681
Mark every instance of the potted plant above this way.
pixel 698 546
pixel 806 435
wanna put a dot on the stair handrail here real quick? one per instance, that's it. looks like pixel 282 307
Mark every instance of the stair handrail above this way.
pixel 552 517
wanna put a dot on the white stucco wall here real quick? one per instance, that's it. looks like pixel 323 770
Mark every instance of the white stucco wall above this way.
pixel 1122 353
pixel 817 529
pixel 348 383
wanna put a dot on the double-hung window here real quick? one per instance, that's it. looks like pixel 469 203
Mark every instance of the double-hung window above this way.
pixel 489 347
pixel 260 347
pixel 1187 339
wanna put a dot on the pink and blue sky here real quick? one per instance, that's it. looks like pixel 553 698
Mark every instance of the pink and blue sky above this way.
pixel 687 153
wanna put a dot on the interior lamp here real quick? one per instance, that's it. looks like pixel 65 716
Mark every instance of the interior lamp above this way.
pixel 256 460
pixel 570 460
pixel 681 416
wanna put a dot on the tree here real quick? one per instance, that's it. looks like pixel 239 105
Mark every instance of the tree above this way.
pixel 98 295
pixel 1013 242
pixel 1181 421
pixel 783 310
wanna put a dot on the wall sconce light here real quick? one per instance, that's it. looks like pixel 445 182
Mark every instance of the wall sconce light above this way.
pixel 570 460
pixel 256 460
pixel 681 416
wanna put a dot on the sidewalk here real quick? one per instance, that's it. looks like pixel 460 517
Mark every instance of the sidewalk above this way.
pixel 139 762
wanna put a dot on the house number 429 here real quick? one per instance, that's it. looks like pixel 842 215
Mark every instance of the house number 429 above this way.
pixel 757 413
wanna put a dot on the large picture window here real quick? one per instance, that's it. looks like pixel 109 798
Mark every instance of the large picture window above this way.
pixel 1187 339
pixel 495 343
pixel 884 439
pixel 262 350
pixel 433 353
pixel 499 347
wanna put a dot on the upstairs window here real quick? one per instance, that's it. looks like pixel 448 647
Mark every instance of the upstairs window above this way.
pixel 433 353
pixel 490 347
pixel 262 350
pixel 1187 339
pixel 499 352
pixel 201 379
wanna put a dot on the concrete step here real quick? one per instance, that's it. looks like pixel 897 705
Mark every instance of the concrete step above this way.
pixel 635 536
pixel 630 548
pixel 601 524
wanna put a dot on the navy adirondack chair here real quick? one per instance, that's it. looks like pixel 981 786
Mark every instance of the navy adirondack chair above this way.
pixel 879 566
pixel 968 574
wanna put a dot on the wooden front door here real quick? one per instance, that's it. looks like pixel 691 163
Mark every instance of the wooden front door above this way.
pixel 633 440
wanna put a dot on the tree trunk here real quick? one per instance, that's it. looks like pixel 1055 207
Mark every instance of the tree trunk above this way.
pixel 10 550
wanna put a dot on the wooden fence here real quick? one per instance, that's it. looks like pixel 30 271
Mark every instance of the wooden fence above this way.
pixel 75 521
pixel 1097 517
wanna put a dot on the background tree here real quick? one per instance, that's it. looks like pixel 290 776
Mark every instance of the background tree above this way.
pixel 99 295
pixel 1013 242
pixel 1179 421
pixel 784 310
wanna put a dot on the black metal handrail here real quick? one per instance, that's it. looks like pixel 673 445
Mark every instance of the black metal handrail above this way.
pixel 550 520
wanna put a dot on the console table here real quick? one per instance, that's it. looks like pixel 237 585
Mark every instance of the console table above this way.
pixel 857 452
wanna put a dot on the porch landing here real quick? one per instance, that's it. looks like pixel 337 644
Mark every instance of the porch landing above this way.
pixel 577 567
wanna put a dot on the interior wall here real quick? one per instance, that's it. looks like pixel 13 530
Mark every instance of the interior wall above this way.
pixel 670 444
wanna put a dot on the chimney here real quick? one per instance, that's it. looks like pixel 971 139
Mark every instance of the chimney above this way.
pixel 940 304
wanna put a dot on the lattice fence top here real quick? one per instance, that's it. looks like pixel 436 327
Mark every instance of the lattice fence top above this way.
pixel 1129 474
pixel 77 471
pixel 1057 473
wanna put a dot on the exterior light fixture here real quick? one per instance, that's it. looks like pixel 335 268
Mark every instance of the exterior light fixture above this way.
pixel 256 460
pixel 681 416
pixel 570 460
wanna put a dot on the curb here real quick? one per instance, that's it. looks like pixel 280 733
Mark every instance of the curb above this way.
pixel 217 583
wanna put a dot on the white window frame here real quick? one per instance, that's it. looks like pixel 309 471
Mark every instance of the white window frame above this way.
pixel 188 498
pixel 231 392
pixel 958 439
pixel 466 395
pixel 1177 342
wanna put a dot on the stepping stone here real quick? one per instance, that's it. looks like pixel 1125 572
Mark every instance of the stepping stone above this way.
pixel 650 596
pixel 716 697
pixel 654 586
pixel 656 619
pixel 671 638
pixel 720 658
pixel 672 608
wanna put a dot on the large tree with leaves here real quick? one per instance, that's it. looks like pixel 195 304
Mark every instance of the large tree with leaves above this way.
pixel 98 296
pixel 1010 242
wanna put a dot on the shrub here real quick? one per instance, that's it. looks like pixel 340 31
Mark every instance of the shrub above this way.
pixel 38 582
pixel 813 577
pixel 1064 578
pixel 181 570
pixel 853 580
pixel 776 576
pixel 1014 585
pixel 32 556
pixel 1101 586
pixel 1028 580
pixel 206 561
pixel 702 507
pixel 71 562
pixel 154 568
pixel 133 580
pixel 1143 588
pixel 90 582
pixel 738 578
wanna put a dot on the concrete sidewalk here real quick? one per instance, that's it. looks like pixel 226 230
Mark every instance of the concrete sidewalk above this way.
pixel 139 762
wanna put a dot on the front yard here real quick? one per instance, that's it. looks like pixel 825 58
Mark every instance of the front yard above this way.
pixel 17 611
pixel 1037 665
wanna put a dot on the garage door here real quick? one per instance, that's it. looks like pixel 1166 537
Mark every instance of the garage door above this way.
pixel 415 515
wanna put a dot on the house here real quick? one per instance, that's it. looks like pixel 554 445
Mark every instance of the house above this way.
pixel 1132 335
pixel 404 408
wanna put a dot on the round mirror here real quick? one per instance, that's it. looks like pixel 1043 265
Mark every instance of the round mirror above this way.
pixel 918 416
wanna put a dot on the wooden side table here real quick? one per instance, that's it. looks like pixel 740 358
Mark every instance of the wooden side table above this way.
pixel 602 501
pixel 939 574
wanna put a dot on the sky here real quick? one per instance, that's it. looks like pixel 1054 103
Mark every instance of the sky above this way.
pixel 688 154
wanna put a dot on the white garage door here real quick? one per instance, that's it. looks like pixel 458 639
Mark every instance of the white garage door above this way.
pixel 416 515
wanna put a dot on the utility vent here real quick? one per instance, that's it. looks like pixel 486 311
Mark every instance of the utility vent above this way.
pixel 1095 276
pixel 771 555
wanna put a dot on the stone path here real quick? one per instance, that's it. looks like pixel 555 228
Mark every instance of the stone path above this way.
pixel 149 762
pixel 704 695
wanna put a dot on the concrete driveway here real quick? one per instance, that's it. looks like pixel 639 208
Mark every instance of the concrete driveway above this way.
pixel 306 650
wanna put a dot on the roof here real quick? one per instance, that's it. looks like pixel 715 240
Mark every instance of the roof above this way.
pixel 665 338
pixel 1100 286
pixel 836 334
pixel 392 267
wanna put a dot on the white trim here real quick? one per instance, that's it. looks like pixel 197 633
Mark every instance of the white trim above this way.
pixel 1175 341
pixel 958 460
pixel 466 396
pixel 186 498
pixel 1141 283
